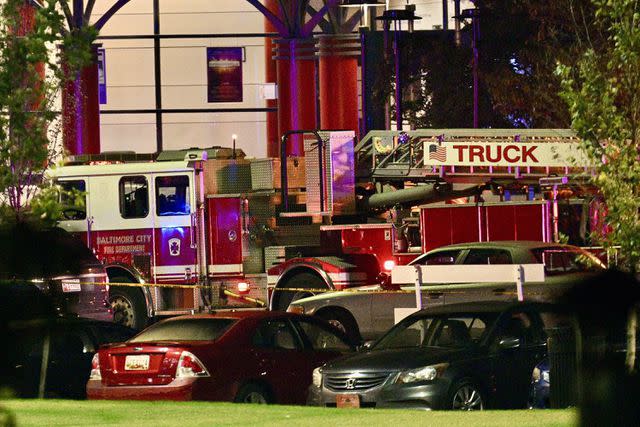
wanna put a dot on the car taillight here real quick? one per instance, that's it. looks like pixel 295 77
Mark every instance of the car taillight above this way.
pixel 190 366
pixel 95 368
pixel 389 264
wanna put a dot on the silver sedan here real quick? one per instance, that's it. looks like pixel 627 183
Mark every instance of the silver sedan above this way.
pixel 365 313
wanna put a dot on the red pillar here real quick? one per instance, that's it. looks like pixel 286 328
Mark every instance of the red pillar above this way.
pixel 28 17
pixel 273 139
pixel 338 81
pixel 296 71
pixel 81 111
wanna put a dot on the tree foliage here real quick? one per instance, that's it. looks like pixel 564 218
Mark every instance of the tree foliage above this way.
pixel 602 91
pixel 520 44
pixel 30 81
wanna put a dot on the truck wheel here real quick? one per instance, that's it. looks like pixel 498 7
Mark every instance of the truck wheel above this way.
pixel 344 321
pixel 129 308
pixel 305 280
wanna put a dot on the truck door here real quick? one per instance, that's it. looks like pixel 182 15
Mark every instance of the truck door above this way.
pixel 224 216
pixel 174 237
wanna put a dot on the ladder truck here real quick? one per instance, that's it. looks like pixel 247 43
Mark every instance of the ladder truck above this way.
pixel 185 230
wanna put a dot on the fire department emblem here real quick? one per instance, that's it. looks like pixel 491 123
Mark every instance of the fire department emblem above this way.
pixel 174 247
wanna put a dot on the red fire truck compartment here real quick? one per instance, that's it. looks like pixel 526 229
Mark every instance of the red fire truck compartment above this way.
pixel 449 224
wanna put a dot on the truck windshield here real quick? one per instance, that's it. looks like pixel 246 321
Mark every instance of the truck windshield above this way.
pixel 450 331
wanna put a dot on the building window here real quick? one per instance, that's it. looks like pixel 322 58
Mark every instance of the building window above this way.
pixel 134 197
pixel 172 195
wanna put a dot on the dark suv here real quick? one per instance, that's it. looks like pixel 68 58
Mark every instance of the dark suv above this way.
pixel 58 265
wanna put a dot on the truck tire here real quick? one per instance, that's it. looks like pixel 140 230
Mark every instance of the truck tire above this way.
pixel 344 321
pixel 304 280
pixel 128 305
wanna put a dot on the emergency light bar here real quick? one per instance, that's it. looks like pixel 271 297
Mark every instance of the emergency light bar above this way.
pixel 553 180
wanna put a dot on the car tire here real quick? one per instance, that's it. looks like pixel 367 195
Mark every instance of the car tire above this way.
pixel 304 280
pixel 253 393
pixel 128 305
pixel 343 320
pixel 466 396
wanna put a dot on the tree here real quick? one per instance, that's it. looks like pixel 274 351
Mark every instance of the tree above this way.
pixel 603 95
pixel 520 43
pixel 30 80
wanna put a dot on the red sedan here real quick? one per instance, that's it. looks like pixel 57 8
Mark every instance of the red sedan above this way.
pixel 240 356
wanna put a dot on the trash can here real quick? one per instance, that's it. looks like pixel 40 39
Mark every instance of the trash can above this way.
pixel 563 368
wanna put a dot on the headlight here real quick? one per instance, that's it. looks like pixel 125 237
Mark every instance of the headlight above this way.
pixel 427 373
pixel 317 377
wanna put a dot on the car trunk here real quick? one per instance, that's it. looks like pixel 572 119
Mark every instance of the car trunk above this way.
pixel 142 364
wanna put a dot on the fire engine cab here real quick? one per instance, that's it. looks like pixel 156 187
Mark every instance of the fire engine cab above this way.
pixel 185 230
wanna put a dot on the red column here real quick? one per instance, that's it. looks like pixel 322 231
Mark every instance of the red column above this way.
pixel 81 111
pixel 273 139
pixel 296 71
pixel 28 16
pixel 338 81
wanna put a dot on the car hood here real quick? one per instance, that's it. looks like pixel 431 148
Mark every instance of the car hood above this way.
pixel 399 359
pixel 336 295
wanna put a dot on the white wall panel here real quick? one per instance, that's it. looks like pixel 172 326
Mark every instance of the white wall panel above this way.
pixel 135 132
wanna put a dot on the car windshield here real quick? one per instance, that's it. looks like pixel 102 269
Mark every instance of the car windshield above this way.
pixel 185 330
pixel 449 331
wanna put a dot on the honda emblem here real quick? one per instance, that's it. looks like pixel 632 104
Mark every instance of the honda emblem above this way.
pixel 351 383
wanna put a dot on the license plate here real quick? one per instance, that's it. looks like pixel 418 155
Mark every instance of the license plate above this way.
pixel 348 401
pixel 71 285
pixel 138 362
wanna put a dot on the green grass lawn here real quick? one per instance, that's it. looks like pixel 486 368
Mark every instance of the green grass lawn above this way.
pixel 137 414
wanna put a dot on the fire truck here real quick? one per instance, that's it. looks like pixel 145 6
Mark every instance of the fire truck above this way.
pixel 185 230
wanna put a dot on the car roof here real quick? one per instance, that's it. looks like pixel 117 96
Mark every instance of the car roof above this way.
pixel 526 244
pixel 237 314
pixel 479 307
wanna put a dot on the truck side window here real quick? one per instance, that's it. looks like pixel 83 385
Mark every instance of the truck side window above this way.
pixel 72 189
pixel 134 197
pixel 172 195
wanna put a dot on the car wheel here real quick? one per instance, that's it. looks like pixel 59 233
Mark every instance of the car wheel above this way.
pixel 466 396
pixel 129 308
pixel 344 321
pixel 253 393
pixel 305 280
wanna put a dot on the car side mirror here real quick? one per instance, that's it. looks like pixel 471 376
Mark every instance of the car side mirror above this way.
pixel 509 343
pixel 365 346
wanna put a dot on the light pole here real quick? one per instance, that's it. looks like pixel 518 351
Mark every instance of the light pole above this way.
pixel 396 17
pixel 474 15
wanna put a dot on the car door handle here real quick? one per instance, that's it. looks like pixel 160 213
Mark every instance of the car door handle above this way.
pixel 434 295
pixel 500 291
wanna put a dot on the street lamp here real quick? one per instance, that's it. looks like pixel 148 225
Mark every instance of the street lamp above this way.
pixel 396 17
pixel 474 15
pixel 364 6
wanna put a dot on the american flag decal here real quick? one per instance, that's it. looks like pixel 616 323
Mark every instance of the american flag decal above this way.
pixel 437 152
